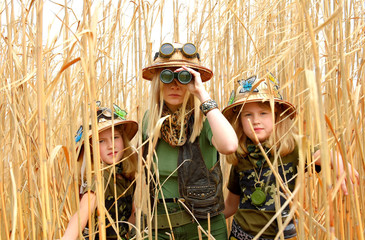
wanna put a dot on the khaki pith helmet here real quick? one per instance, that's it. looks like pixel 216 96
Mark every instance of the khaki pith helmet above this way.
pixel 255 89
pixel 177 59
pixel 104 118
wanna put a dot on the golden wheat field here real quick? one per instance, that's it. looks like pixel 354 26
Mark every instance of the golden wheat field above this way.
pixel 57 58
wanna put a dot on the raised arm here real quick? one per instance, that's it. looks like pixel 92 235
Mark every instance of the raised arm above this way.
pixel 224 137
pixel 72 231
pixel 354 175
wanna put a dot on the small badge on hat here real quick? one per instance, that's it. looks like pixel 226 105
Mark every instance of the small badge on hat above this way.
pixel 231 98
pixel 119 112
pixel 79 134
pixel 273 79
pixel 247 84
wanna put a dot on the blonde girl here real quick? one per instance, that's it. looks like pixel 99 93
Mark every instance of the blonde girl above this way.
pixel 265 128
pixel 187 131
pixel 115 151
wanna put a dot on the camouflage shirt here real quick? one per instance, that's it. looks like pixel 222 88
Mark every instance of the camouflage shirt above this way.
pixel 124 191
pixel 242 181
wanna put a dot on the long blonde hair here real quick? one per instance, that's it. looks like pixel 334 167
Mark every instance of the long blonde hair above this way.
pixel 156 105
pixel 284 134
pixel 129 157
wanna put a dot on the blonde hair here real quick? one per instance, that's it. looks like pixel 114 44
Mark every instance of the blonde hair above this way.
pixel 129 158
pixel 156 105
pixel 283 137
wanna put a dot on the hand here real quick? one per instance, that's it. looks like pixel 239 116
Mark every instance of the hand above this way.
pixel 195 87
pixel 354 175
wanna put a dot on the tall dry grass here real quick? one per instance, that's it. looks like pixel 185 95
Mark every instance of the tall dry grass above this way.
pixel 49 85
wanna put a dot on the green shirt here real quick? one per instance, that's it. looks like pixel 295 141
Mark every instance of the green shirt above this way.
pixel 241 182
pixel 167 157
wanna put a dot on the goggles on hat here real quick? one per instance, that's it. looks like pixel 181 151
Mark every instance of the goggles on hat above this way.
pixel 167 76
pixel 104 114
pixel 167 50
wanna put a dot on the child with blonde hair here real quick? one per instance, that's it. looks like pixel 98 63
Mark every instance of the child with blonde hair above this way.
pixel 115 133
pixel 264 125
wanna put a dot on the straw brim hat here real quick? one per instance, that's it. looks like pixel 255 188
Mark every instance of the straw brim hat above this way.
pixel 129 127
pixel 259 92
pixel 234 109
pixel 176 60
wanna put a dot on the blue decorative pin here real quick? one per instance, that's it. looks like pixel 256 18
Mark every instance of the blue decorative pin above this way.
pixel 79 134
pixel 247 84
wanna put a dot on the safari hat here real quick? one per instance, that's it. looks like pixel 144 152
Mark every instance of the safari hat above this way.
pixel 104 122
pixel 255 89
pixel 177 55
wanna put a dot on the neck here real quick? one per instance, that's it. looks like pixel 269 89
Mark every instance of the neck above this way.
pixel 172 108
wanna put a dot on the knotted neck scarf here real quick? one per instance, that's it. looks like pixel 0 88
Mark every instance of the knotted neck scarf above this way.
pixel 255 156
pixel 171 127
pixel 119 169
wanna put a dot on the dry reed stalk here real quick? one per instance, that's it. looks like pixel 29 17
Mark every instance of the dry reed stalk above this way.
pixel 49 86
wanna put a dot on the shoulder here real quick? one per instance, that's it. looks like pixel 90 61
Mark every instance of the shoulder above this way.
pixel 294 154
pixel 145 125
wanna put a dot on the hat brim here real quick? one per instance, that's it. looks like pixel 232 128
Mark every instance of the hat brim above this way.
pixel 150 71
pixel 232 110
pixel 130 128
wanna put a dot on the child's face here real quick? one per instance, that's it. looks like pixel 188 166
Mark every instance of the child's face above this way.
pixel 261 120
pixel 173 94
pixel 107 153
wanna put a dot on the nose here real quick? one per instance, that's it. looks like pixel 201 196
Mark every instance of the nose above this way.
pixel 109 144
pixel 174 83
pixel 255 119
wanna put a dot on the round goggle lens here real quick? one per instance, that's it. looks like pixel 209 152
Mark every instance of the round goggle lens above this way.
pixel 184 77
pixel 167 76
pixel 189 49
pixel 166 49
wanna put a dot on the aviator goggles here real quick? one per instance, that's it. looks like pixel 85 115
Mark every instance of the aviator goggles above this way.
pixel 167 76
pixel 167 50
pixel 104 114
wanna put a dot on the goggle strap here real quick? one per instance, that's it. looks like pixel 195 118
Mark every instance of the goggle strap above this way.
pixel 156 55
